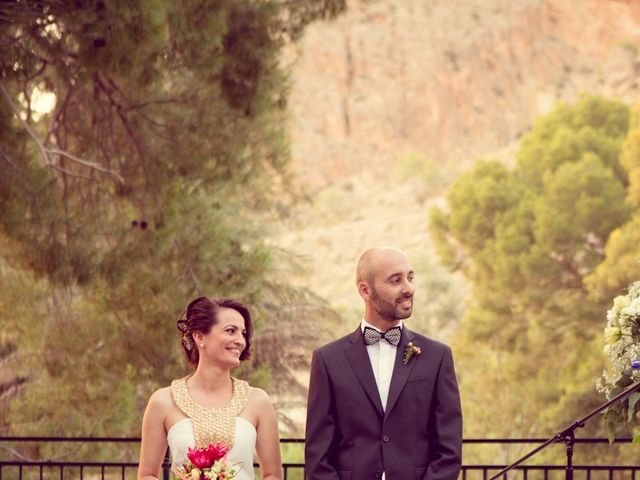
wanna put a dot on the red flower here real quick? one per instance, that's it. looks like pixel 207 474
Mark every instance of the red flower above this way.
pixel 217 451
pixel 199 457
pixel 205 457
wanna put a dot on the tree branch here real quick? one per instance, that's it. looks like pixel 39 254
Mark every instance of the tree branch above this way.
pixel 119 111
pixel 127 106
pixel 95 166
pixel 25 125
pixel 60 108
pixel 195 280
pixel 44 152
pixel 6 158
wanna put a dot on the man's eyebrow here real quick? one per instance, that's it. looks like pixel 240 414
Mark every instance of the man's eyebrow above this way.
pixel 410 272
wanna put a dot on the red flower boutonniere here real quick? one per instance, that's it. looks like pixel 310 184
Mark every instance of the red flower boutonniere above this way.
pixel 410 351
pixel 207 463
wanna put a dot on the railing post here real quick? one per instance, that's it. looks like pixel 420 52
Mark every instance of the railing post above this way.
pixel 569 441
pixel 166 466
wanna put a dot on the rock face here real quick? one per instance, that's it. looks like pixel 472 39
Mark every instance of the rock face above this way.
pixel 449 80
pixel 452 80
pixel 446 80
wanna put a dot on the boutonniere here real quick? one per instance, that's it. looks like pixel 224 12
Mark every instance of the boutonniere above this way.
pixel 410 351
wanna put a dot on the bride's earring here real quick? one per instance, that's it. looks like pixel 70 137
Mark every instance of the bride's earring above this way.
pixel 202 345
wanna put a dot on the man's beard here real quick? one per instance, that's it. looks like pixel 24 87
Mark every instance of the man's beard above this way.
pixel 389 311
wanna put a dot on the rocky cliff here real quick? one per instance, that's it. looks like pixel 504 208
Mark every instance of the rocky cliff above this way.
pixel 445 80
pixel 453 80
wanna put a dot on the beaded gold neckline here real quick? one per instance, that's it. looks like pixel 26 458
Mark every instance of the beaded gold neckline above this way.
pixel 211 425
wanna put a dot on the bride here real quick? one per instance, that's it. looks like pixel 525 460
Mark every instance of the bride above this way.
pixel 210 405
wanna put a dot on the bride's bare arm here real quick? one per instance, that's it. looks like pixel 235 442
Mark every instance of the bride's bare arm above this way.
pixel 268 441
pixel 154 437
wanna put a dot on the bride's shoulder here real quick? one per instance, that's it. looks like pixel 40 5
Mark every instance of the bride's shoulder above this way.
pixel 161 397
pixel 258 396
pixel 262 406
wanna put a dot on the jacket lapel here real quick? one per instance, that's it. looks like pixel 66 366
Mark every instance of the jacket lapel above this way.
pixel 401 371
pixel 359 359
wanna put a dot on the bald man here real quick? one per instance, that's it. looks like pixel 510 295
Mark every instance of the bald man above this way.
pixel 383 401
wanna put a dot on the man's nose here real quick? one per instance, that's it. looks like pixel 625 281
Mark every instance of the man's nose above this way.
pixel 408 287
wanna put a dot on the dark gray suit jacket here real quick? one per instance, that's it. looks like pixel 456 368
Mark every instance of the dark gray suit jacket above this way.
pixel 350 437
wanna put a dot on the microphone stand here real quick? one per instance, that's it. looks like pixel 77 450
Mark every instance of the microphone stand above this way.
pixel 567 436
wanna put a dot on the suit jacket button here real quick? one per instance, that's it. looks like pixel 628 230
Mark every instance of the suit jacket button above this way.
pixel 385 439
pixel 378 474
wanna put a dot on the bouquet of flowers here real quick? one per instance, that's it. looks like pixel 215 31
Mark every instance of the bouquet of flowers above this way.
pixel 622 348
pixel 207 463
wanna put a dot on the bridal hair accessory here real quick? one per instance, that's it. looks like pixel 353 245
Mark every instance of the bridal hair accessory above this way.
pixel 410 351
pixel 187 339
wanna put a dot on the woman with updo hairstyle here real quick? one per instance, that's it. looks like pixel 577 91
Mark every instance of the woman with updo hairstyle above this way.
pixel 200 315
pixel 209 406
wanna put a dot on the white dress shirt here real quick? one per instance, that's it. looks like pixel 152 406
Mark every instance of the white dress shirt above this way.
pixel 382 356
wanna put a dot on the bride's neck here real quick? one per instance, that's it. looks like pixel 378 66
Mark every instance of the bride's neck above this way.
pixel 211 379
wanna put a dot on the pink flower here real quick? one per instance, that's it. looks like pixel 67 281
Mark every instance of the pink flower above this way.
pixel 199 457
pixel 204 457
pixel 217 451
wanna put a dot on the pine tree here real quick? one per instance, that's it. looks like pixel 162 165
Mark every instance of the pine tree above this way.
pixel 526 238
pixel 140 189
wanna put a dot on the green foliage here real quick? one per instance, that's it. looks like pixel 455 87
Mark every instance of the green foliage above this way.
pixel 630 47
pixel 331 199
pixel 416 166
pixel 440 299
pixel 622 251
pixel 630 156
pixel 293 453
pixel 141 189
pixel 526 238
pixel 619 271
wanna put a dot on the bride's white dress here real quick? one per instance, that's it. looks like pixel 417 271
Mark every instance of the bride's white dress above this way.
pixel 181 437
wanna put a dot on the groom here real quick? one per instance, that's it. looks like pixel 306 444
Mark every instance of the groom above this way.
pixel 383 401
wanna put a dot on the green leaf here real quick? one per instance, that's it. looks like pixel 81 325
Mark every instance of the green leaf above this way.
pixel 611 432
pixel 633 399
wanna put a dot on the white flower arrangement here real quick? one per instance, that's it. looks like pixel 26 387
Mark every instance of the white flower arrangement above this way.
pixel 622 348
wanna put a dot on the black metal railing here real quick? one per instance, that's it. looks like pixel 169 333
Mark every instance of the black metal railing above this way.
pixel 14 468
pixel 556 471
pixel 567 437
pixel 18 467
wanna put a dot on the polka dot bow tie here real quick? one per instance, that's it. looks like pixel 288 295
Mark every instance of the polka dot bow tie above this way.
pixel 371 335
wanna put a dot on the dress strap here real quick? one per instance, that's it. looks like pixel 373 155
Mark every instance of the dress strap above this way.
pixel 211 425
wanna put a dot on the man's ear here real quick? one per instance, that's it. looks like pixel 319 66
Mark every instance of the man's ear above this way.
pixel 364 290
